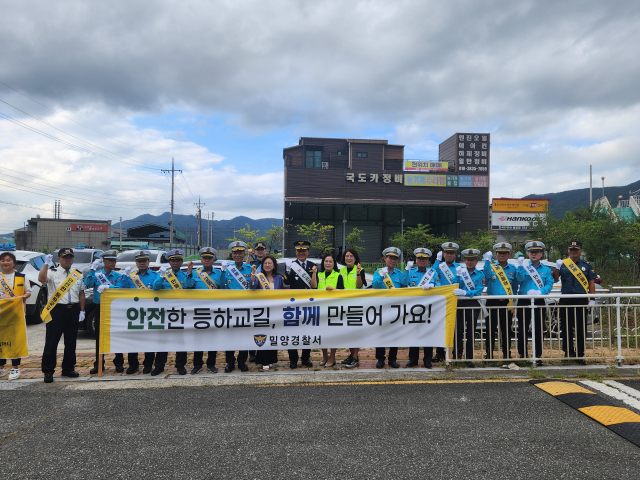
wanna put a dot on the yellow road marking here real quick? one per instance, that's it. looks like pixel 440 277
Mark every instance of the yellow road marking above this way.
pixel 560 388
pixel 395 382
pixel 610 415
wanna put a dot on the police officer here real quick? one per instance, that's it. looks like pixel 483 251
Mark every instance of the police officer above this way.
pixel 100 280
pixel 414 278
pixel 237 277
pixel 65 316
pixel 495 272
pixel 447 255
pixel 261 251
pixel 198 280
pixel 295 281
pixel 176 258
pixel 384 278
pixel 143 278
pixel 573 316
pixel 537 280
pixel 469 286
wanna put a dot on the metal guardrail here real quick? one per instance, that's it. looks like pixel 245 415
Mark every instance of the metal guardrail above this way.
pixel 549 327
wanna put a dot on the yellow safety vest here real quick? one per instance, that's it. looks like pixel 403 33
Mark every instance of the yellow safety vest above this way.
pixel 330 281
pixel 350 278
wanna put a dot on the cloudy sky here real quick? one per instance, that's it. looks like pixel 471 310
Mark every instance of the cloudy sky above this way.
pixel 98 96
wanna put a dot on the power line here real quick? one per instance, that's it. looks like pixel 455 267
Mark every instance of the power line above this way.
pixel 185 182
pixel 82 124
pixel 47 209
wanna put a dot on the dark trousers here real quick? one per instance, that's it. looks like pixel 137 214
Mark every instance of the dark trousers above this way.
pixel 293 355
pixel 572 322
pixel 393 353
pixel 64 321
pixel 440 352
pixel 266 357
pixel 465 327
pixel 414 354
pixel 133 361
pixel 161 359
pixel 118 359
pixel 242 356
pixel 502 317
pixel 524 321
pixel 252 353
pixel 149 358
pixel 15 362
pixel 198 360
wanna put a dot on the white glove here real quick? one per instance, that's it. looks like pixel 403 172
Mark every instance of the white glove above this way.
pixel 521 261
pixel 459 292
pixel 49 260
pixel 102 288
pixel 427 286
pixel 163 271
pixel 223 265
pixel 81 318
pixel 288 266
pixel 534 292
pixel 459 270
pixel 559 263
pixel 95 265
pixel 439 256
pixel 409 265
pixel 592 303
pixel 488 256
pixel 127 271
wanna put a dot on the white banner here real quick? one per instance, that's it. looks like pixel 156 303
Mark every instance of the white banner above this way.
pixel 199 320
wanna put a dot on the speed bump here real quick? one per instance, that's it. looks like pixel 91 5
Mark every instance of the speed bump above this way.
pixel 620 420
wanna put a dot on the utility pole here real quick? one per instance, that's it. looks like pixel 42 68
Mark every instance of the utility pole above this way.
pixel 173 171
pixel 208 230
pixel 199 205
pixel 590 185
pixel 211 238
pixel 120 233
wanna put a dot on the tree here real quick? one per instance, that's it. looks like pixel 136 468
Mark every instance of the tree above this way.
pixel 318 235
pixel 416 237
pixel 483 240
pixel 354 238
pixel 246 235
pixel 274 237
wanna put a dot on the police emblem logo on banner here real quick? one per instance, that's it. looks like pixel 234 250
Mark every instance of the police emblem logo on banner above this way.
pixel 260 339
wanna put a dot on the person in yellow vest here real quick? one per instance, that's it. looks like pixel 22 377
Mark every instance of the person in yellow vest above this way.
pixel 12 284
pixel 352 278
pixel 328 279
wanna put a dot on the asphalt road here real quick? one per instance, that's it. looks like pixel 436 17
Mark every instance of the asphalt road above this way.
pixel 444 430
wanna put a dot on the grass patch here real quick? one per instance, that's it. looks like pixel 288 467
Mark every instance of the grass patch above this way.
pixel 537 374
pixel 558 375
pixel 612 371
pixel 445 377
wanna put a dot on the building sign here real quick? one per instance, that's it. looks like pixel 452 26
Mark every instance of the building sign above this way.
pixel 473 181
pixel 512 221
pixel 473 153
pixel 77 227
pixel 520 205
pixel 373 178
pixel 425 166
pixel 416 180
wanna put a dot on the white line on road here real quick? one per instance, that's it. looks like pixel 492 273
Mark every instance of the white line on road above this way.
pixel 624 388
pixel 612 392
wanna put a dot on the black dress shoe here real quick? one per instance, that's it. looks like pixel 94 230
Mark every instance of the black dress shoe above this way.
pixel 380 364
pixel 146 370
pixel 410 364
pixel 427 363
pixel 228 368
pixel 252 358
pixel 293 365
pixel 394 364
pixel 471 365
pixel 157 371
pixel 94 371
pixel 70 373
pixel 437 359
pixel 119 368
pixel 131 370
pixel 579 362
pixel 243 367
pixel 306 363
pixel 538 363
pixel 212 369
pixel 196 369
pixel 181 370
pixel 48 377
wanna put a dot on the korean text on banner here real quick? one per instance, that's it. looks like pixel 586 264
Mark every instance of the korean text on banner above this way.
pixel 13 329
pixel 198 320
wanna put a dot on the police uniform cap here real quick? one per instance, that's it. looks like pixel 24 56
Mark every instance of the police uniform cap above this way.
pixel 470 253
pixel 575 244
pixel 237 246
pixel 260 245
pixel 422 252
pixel 502 247
pixel 65 252
pixel 302 245
pixel 534 246
pixel 450 247
pixel 208 252
pixel 391 252
pixel 109 255
pixel 175 254
pixel 143 255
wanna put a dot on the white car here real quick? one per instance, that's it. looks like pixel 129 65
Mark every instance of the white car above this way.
pixel 30 264
pixel 128 259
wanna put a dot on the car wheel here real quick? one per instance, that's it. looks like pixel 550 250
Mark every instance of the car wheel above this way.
pixel 35 319
pixel 91 323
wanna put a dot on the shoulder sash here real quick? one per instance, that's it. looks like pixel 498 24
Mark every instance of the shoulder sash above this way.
pixel 206 279
pixel 173 280
pixel 576 272
pixel 135 278
pixel 533 273
pixel 73 277
pixel 238 276
pixel 301 273
pixel 263 281
pixel 444 269
pixel 427 277
pixel 4 285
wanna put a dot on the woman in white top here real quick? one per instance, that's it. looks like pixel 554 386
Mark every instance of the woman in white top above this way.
pixel 20 287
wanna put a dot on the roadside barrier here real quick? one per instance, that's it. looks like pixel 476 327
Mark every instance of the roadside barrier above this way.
pixel 551 327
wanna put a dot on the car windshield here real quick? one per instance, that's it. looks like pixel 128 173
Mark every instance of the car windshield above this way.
pixel 20 266
pixel 82 257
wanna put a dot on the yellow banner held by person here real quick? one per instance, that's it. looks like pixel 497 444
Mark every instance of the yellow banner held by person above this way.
pixel 13 329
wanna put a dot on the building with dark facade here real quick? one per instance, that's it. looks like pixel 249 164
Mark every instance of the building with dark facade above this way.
pixel 368 184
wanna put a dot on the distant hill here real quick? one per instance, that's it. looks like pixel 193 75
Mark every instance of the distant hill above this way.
pixel 222 229
pixel 562 202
